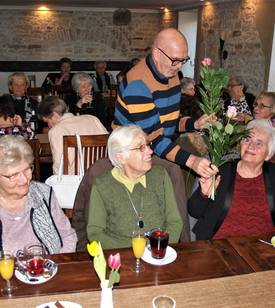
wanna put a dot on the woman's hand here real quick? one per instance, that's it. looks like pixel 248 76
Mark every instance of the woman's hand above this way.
pixel 86 99
pixel 201 122
pixel 206 185
pixel 17 120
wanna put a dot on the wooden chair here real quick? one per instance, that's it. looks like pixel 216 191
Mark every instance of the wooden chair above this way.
pixel 36 93
pixel 93 146
pixel 35 145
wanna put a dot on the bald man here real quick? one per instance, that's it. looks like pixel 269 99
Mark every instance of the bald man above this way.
pixel 149 96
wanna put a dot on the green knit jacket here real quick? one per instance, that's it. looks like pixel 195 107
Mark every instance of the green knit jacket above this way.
pixel 112 218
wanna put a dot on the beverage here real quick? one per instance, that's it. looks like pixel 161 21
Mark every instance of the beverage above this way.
pixel 138 244
pixel 35 267
pixel 6 268
pixel 158 242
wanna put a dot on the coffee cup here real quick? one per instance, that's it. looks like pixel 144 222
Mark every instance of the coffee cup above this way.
pixel 158 241
pixel 31 259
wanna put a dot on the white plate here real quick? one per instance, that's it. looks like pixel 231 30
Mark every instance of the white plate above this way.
pixel 40 279
pixel 170 256
pixel 63 303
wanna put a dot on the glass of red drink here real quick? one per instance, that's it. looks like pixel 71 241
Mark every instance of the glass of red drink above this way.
pixel 158 241
pixel 32 259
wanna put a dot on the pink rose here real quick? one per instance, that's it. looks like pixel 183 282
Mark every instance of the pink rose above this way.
pixel 231 112
pixel 114 261
pixel 206 61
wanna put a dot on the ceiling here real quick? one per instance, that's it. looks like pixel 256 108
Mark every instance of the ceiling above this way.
pixel 131 4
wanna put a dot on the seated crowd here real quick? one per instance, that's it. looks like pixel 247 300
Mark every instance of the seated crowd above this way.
pixel 134 190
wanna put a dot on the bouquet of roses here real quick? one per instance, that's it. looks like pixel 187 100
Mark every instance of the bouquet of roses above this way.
pixel 114 262
pixel 221 136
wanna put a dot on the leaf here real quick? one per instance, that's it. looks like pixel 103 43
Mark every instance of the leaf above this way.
pixel 229 128
pixel 114 278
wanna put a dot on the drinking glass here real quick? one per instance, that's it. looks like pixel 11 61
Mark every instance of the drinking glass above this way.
pixel 138 245
pixel 6 270
pixel 163 301
pixel 158 241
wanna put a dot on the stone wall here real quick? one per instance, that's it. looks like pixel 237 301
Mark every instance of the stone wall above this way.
pixel 236 23
pixel 81 35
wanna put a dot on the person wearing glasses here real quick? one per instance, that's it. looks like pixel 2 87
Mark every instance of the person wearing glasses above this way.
pixel 29 211
pixel 264 106
pixel 149 96
pixel 245 198
pixel 133 195
pixel 239 98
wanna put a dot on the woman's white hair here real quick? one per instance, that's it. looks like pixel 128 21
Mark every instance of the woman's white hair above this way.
pixel 267 126
pixel 120 140
pixel 14 149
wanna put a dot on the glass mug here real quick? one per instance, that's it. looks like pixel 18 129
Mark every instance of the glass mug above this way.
pixel 158 241
pixel 31 259
pixel 163 301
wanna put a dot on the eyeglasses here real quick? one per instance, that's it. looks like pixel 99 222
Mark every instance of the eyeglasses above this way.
pixel 141 148
pixel 15 176
pixel 261 106
pixel 233 85
pixel 175 62
pixel 257 144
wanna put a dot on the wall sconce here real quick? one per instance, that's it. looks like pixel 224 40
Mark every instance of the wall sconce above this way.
pixel 223 54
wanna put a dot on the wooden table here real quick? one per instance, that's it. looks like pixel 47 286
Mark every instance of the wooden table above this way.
pixel 259 256
pixel 196 261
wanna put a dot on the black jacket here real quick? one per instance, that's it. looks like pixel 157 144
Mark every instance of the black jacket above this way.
pixel 211 213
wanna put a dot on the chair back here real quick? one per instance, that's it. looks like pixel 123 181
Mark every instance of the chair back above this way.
pixel 93 147
pixel 35 145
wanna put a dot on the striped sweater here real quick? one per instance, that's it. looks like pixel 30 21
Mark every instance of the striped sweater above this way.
pixel 148 99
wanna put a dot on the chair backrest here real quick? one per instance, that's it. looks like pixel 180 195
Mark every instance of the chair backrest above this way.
pixel 93 148
pixel 35 145
pixel 82 199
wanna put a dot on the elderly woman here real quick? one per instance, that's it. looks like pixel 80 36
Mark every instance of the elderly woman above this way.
pixel 264 106
pixel 189 103
pixel 10 123
pixel 24 105
pixel 83 100
pixel 239 98
pixel 132 195
pixel 29 211
pixel 245 199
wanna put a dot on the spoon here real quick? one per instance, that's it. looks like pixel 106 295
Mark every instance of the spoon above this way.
pixel 265 242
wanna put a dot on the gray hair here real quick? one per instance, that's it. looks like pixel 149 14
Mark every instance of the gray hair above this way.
pixel 51 104
pixel 267 126
pixel 100 62
pixel 78 78
pixel 271 96
pixel 18 75
pixel 241 81
pixel 14 149
pixel 186 81
pixel 120 140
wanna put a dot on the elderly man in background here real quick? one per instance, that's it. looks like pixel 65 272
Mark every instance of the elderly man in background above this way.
pixel 102 81
pixel 53 111
pixel 149 96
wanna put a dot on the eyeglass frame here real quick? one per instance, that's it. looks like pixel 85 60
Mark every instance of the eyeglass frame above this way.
pixel 14 177
pixel 234 85
pixel 173 61
pixel 261 105
pixel 142 147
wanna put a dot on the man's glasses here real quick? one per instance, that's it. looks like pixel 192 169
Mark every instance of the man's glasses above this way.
pixel 261 106
pixel 14 177
pixel 141 148
pixel 175 62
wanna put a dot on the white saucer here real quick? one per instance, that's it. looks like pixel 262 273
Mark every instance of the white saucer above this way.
pixel 66 304
pixel 37 279
pixel 170 256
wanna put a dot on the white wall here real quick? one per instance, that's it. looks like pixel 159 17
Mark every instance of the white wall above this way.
pixel 271 79
pixel 187 24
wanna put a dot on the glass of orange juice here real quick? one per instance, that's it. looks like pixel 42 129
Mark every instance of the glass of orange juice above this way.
pixel 6 270
pixel 138 245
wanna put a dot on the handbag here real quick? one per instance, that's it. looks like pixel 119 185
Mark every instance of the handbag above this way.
pixel 65 186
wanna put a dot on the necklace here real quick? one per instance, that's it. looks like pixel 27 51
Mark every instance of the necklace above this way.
pixel 140 222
